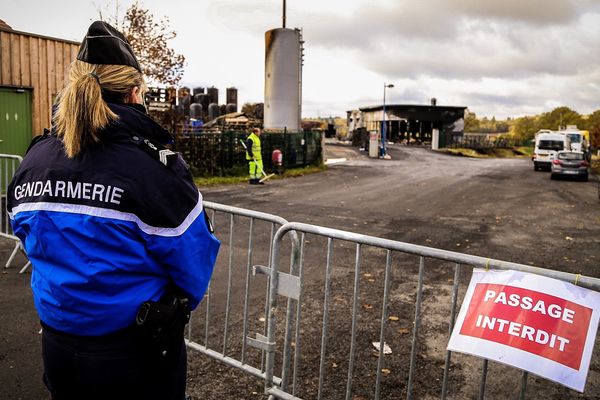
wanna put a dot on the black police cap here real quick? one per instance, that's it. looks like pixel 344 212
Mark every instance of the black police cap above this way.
pixel 103 44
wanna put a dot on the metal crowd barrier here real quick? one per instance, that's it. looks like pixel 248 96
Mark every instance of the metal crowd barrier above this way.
pixel 290 386
pixel 218 317
pixel 255 238
pixel 8 166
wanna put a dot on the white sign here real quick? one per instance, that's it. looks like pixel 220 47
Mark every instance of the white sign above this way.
pixel 542 325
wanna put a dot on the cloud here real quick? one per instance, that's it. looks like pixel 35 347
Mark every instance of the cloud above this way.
pixel 470 43
pixel 506 57
pixel 537 12
pixel 439 20
pixel 480 54
pixel 454 39
pixel 242 15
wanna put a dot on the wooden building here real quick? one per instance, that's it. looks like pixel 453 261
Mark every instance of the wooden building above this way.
pixel 33 69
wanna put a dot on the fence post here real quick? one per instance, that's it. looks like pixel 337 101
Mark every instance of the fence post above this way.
pixel 304 148
pixel 320 149
pixel 287 151
pixel 228 152
pixel 269 150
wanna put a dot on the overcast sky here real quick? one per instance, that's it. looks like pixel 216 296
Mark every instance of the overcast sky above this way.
pixel 498 57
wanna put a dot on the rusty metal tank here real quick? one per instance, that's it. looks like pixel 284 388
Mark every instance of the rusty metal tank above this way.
pixel 232 96
pixel 203 99
pixel 185 102
pixel 213 111
pixel 196 110
pixel 230 108
pixel 283 57
pixel 213 94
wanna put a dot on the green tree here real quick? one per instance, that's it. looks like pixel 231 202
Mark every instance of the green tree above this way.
pixel 471 122
pixel 503 126
pixel 592 120
pixel 493 124
pixel 592 124
pixel 524 128
pixel 560 117
pixel 254 110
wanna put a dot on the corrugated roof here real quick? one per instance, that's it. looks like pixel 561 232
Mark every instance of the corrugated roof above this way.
pixel 420 106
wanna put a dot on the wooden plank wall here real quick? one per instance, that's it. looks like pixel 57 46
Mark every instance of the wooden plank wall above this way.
pixel 36 62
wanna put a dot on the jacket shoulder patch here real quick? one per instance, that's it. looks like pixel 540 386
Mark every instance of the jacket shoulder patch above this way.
pixel 156 150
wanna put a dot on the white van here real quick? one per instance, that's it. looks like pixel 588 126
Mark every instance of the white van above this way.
pixel 574 139
pixel 546 147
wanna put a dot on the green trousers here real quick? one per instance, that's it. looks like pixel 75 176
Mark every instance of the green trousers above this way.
pixel 255 168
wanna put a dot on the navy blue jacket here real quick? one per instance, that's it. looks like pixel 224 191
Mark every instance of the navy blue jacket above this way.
pixel 110 228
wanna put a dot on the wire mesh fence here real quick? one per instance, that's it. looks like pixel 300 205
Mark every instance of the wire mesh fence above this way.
pixel 484 142
pixel 222 153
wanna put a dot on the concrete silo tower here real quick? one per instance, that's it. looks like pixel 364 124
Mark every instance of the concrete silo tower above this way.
pixel 283 78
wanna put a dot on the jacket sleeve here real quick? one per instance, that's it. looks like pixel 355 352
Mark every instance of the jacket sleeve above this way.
pixel 186 247
pixel 249 147
pixel 168 207
pixel 188 252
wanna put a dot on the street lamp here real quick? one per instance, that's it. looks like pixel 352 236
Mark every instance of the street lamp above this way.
pixel 383 138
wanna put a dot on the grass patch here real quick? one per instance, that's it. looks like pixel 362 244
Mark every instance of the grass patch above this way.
pixel 219 180
pixel 524 150
pixel 230 180
pixel 311 169
pixel 492 152
pixel 466 153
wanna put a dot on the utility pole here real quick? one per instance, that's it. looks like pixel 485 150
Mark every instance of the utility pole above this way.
pixel 284 7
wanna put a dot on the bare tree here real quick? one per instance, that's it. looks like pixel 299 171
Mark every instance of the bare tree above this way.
pixel 149 40
pixel 254 110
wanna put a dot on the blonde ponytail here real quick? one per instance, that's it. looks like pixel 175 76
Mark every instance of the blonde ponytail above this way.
pixel 82 112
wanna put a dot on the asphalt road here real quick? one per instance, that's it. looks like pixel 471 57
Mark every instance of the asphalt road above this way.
pixel 503 208
pixel 498 208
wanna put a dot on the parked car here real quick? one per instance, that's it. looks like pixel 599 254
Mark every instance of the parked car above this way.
pixel 570 163
pixel 547 144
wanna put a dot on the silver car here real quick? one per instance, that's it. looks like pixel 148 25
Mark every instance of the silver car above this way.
pixel 570 164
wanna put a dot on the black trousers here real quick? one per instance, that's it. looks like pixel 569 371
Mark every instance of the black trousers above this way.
pixel 117 366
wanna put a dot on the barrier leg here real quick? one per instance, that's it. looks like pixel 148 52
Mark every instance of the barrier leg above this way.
pixel 12 255
pixel 25 267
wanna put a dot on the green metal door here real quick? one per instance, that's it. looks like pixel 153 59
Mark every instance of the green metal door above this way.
pixel 15 120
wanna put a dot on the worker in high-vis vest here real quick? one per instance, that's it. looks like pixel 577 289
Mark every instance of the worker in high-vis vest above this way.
pixel 254 157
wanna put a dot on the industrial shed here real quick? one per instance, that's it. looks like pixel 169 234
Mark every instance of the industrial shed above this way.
pixel 411 122
pixel 33 69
